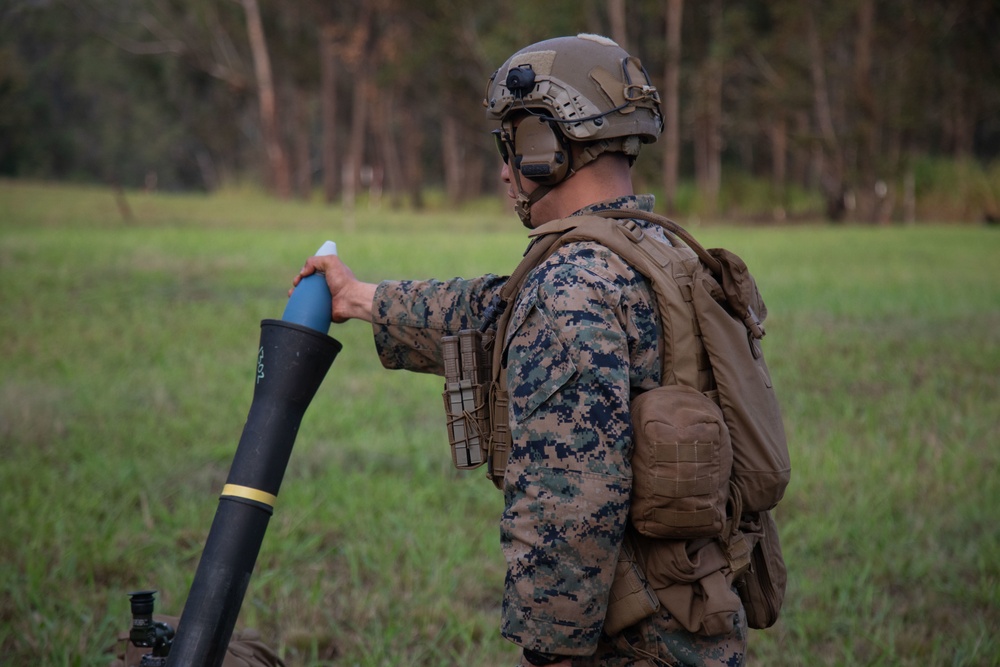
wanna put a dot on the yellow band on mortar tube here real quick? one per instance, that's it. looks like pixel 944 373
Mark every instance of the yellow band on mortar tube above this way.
pixel 237 491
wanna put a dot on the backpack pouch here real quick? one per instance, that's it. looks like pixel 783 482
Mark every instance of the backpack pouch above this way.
pixel 681 463
pixel 762 587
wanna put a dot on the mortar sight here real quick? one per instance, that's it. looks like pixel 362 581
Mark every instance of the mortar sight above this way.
pixel 145 632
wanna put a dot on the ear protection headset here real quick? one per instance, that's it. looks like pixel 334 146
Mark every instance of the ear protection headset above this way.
pixel 541 153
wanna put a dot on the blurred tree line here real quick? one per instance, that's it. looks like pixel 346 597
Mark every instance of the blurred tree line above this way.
pixel 849 101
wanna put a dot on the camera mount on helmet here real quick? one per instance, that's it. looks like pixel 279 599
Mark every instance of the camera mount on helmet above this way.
pixel 520 81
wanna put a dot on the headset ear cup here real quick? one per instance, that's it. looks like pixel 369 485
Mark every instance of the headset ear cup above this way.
pixel 540 152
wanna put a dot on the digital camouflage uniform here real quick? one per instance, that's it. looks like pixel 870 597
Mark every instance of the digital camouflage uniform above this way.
pixel 582 340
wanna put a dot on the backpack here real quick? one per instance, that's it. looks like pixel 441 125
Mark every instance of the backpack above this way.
pixel 710 439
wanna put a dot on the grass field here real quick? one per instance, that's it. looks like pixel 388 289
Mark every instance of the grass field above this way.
pixel 126 374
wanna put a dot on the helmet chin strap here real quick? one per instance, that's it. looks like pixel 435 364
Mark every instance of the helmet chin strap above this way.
pixel 524 201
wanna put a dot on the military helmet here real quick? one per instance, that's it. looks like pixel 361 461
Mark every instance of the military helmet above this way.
pixel 587 85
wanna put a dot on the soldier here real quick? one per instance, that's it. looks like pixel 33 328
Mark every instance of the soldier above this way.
pixel 582 339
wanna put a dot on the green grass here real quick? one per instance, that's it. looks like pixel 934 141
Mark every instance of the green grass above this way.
pixel 125 378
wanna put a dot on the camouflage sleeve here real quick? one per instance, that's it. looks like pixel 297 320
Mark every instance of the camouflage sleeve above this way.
pixel 410 317
pixel 568 480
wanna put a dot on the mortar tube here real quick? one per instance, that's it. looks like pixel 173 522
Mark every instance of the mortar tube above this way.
pixel 292 362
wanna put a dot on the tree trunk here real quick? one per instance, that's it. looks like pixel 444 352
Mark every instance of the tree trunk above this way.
pixel 356 144
pixel 909 194
pixel 715 108
pixel 778 131
pixel 328 111
pixel 616 19
pixel 413 169
pixel 960 121
pixel 868 198
pixel 451 152
pixel 360 66
pixel 829 152
pixel 277 160
pixel 708 117
pixel 802 173
pixel 671 104
pixel 387 149
pixel 302 154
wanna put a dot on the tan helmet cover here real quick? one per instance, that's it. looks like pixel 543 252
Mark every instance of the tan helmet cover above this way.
pixel 589 85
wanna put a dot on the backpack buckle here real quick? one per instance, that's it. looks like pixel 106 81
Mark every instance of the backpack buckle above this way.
pixel 753 324
pixel 632 229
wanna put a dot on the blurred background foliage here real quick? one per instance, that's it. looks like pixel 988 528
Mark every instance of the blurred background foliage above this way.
pixel 862 110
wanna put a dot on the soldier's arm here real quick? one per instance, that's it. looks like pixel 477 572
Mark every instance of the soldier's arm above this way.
pixel 410 317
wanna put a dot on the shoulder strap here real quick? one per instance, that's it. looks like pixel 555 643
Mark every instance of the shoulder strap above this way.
pixel 728 269
pixel 668 269
pixel 670 273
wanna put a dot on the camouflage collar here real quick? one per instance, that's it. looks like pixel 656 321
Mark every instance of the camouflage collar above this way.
pixel 626 203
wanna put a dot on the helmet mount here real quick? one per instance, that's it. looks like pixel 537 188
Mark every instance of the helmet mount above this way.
pixel 520 80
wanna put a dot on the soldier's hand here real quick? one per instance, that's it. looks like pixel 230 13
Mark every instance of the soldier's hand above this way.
pixel 351 298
